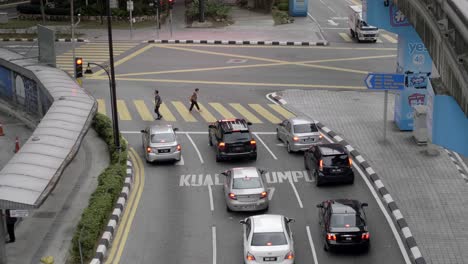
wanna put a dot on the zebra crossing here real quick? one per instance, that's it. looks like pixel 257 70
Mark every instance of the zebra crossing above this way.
pixel 174 111
pixel 96 52
pixel 383 37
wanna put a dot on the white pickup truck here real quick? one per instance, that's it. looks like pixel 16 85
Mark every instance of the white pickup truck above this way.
pixel 358 28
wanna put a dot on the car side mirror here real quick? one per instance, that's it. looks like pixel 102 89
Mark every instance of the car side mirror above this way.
pixel 142 131
pixel 242 222
pixel 364 204
pixel 175 129
pixel 319 205
pixel 211 126
pixel 249 123
pixel 225 173
pixel 291 220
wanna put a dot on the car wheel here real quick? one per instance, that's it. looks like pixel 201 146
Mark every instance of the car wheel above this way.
pixel 351 181
pixel 366 248
pixel 209 141
pixel 306 164
pixel 326 247
pixel 228 209
pixel 266 209
pixel 277 135
pixel 288 147
pixel 218 158
pixel 374 40
pixel 253 157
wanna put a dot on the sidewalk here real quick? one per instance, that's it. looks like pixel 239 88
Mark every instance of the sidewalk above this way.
pixel 429 190
pixel 49 229
pixel 249 25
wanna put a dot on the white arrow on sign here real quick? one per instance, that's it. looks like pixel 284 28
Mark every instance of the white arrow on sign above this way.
pixel 271 190
pixel 368 81
pixel 332 23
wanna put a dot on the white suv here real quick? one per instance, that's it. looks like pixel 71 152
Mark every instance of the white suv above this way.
pixel 268 239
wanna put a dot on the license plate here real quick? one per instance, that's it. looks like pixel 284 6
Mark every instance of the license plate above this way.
pixel 269 259
pixel 336 170
pixel 238 149
pixel 349 238
pixel 164 150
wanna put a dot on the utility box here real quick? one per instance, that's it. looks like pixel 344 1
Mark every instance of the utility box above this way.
pixel 420 127
pixel 3 18
pixel 298 8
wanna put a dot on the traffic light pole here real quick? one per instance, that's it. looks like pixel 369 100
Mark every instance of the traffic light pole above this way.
pixel 115 121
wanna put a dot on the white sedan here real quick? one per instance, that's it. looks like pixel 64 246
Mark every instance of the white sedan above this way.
pixel 268 239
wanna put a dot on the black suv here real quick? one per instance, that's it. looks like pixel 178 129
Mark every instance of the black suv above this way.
pixel 329 163
pixel 232 138
pixel 343 224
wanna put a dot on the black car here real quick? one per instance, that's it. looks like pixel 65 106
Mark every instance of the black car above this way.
pixel 343 224
pixel 329 163
pixel 232 139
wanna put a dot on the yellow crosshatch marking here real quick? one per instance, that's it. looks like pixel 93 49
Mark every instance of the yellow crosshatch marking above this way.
pixel 101 106
pixel 143 110
pixel 345 36
pixel 122 110
pixel 389 38
pixel 222 110
pixel 265 113
pixel 278 108
pixel 206 114
pixel 184 112
pixel 167 115
pixel 246 113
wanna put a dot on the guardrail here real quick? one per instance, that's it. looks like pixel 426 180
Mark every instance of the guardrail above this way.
pixel 443 27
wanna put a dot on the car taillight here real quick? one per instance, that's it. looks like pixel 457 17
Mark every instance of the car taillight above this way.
pixel 365 236
pixel 178 147
pixel 321 136
pixel 149 150
pixel 331 236
pixel 232 196
pixel 321 165
pixel 263 195
pixel 253 142
pixel 350 162
pixel 221 145
pixel 250 256
pixel 296 139
pixel 290 255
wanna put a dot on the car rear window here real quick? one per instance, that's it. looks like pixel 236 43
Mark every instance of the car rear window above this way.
pixel 269 239
pixel 305 128
pixel 345 220
pixel 336 160
pixel 162 137
pixel 236 137
pixel 246 183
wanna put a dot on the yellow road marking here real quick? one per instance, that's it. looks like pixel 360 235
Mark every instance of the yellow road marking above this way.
pixel 277 47
pixel 206 114
pixel 351 59
pixel 281 110
pixel 246 113
pixel 133 208
pixel 183 111
pixel 265 113
pixel 127 58
pixel 345 36
pixel 101 106
pixel 323 86
pixel 167 115
pixel 222 110
pixel 389 38
pixel 122 110
pixel 143 110
pixel 356 2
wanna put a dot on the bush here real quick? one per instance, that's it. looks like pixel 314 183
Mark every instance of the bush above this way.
pixel 283 6
pixel 280 17
pixel 213 8
pixel 110 183
pixel 57 11
pixel 28 9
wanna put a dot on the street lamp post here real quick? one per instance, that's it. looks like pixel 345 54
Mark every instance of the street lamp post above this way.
pixel 115 121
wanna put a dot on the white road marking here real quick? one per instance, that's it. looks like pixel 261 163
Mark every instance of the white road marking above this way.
pixel 295 191
pixel 312 247
pixel 265 145
pixel 460 160
pixel 210 193
pixel 339 18
pixel 332 23
pixel 195 146
pixel 280 145
pixel 181 161
pixel 384 211
pixel 271 191
pixel 213 232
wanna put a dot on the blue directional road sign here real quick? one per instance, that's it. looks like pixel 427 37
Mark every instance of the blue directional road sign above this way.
pixel 385 81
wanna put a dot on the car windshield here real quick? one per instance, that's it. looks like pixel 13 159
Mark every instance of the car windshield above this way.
pixel 162 137
pixel 236 136
pixel 269 239
pixel 305 128
pixel 336 160
pixel 246 183
pixel 346 220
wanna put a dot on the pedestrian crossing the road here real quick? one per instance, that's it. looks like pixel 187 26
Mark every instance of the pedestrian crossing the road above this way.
pixel 92 52
pixel 383 38
pixel 174 111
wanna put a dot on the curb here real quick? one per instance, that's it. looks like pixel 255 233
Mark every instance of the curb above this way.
pixel 106 238
pixel 238 42
pixel 33 39
pixel 381 189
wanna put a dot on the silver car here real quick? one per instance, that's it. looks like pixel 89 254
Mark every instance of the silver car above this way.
pixel 298 133
pixel 160 143
pixel 268 239
pixel 245 190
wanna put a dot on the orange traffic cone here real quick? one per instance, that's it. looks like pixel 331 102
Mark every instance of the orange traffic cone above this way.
pixel 1 130
pixel 17 146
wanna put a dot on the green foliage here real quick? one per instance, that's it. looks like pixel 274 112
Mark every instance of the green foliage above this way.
pixel 110 183
pixel 283 6
pixel 280 17
pixel 213 8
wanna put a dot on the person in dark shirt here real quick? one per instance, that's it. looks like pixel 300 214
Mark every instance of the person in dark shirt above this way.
pixel 10 224
pixel 194 100
pixel 157 104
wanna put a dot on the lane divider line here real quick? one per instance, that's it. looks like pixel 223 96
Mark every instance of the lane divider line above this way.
pixel 195 146
pixel 213 235
pixel 295 192
pixel 266 147
pixel 312 247
pixel 210 193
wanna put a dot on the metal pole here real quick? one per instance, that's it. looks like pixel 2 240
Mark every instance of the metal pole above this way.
pixel 3 259
pixel 113 91
pixel 170 21
pixel 131 24
pixel 385 116
pixel 73 36
pixel 201 11
pixel 157 22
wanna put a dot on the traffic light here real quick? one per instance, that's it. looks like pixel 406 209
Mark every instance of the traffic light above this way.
pixel 171 3
pixel 78 67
